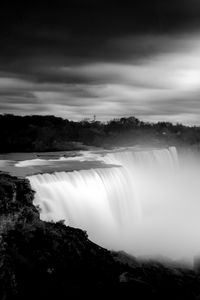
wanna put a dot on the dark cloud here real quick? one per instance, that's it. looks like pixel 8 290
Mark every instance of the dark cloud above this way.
pixel 81 27
pixel 111 58
pixel 89 30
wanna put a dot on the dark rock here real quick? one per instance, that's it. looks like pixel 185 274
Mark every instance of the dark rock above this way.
pixel 45 260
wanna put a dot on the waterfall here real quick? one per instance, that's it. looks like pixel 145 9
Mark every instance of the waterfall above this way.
pixel 141 205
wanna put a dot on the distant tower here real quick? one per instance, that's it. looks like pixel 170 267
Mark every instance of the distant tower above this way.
pixel 94 118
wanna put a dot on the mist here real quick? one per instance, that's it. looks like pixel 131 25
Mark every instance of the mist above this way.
pixel 148 205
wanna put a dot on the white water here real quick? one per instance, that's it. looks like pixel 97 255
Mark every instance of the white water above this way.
pixel 144 205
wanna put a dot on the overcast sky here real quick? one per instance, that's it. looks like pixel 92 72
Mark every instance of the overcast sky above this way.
pixel 137 58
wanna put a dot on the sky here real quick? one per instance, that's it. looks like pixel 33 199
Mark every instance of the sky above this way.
pixel 105 58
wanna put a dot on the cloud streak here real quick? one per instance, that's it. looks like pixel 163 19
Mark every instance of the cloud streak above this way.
pixel 109 60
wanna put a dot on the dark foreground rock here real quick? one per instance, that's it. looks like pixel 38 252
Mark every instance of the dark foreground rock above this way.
pixel 44 260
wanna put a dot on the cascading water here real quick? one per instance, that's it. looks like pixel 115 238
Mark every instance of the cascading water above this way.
pixel 135 206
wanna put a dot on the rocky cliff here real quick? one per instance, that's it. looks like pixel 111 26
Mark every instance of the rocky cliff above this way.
pixel 45 260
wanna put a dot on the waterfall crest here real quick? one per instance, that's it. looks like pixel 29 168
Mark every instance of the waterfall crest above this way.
pixel 120 207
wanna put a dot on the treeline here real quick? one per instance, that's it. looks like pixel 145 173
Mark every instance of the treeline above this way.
pixel 50 133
